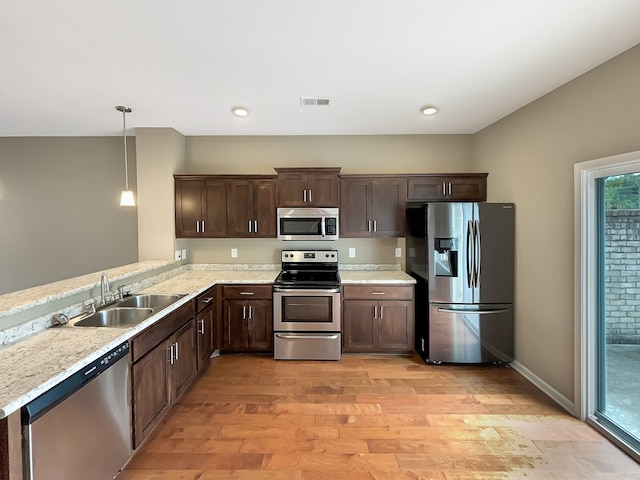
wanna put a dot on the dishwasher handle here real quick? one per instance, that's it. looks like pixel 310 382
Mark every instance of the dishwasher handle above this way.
pixel 45 402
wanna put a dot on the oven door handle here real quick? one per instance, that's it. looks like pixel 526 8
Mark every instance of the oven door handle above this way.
pixel 307 291
pixel 298 336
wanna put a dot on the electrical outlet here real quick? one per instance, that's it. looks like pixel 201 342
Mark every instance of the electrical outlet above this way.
pixel 398 252
pixel 352 252
pixel 178 255
pixel 234 253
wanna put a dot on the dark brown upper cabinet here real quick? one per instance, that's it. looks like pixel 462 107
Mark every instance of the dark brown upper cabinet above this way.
pixel 308 187
pixel 467 187
pixel 372 206
pixel 251 207
pixel 201 207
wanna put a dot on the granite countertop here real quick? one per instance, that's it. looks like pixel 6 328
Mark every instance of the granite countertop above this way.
pixel 32 366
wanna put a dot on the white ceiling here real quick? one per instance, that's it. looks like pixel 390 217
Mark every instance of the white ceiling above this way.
pixel 66 64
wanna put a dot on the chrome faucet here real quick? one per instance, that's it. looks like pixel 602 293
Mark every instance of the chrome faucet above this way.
pixel 105 290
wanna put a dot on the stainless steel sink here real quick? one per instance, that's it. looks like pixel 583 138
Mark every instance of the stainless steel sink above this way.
pixel 155 301
pixel 116 317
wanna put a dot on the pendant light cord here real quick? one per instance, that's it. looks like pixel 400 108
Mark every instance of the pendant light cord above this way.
pixel 124 135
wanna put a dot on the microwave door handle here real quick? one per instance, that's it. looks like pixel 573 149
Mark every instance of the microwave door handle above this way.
pixel 322 227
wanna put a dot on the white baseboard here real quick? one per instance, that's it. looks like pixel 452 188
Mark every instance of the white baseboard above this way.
pixel 556 396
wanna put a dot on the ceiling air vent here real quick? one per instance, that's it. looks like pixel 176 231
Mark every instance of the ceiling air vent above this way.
pixel 312 102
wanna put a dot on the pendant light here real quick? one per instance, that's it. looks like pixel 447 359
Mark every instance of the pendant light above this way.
pixel 126 199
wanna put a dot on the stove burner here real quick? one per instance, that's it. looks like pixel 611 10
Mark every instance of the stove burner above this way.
pixel 309 269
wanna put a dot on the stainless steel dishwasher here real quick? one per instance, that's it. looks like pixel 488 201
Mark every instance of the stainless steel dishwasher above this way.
pixel 80 429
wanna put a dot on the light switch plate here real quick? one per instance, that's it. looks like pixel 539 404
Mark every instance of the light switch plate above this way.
pixel 234 253
pixel 352 252
pixel 184 254
pixel 398 252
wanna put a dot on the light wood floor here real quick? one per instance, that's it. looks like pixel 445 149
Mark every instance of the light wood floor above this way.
pixel 370 417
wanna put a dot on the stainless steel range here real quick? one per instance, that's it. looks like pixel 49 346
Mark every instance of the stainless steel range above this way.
pixel 306 306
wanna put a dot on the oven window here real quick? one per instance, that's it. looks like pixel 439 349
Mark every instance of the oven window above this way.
pixel 300 226
pixel 307 309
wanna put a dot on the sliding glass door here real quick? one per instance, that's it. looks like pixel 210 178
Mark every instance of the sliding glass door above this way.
pixel 617 362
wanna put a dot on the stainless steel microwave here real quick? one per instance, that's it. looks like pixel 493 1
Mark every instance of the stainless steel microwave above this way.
pixel 308 223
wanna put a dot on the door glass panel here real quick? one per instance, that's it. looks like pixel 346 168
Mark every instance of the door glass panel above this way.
pixel 306 309
pixel 618 357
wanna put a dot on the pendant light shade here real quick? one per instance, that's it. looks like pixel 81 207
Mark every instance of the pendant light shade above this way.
pixel 126 198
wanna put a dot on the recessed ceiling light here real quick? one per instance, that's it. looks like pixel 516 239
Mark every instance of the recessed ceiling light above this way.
pixel 240 111
pixel 428 110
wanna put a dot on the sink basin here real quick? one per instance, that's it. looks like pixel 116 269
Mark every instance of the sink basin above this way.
pixel 117 317
pixel 155 301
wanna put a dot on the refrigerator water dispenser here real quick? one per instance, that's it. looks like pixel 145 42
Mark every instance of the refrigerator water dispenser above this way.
pixel 445 256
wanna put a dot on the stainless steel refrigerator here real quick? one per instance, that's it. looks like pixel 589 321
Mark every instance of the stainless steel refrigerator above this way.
pixel 462 257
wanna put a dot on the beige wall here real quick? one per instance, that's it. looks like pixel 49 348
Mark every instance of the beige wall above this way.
pixel 355 154
pixel 529 156
pixel 59 209
pixel 160 153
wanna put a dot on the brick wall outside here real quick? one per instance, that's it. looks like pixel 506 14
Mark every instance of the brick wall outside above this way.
pixel 622 276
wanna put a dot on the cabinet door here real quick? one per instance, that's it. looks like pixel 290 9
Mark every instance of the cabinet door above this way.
pixel 355 218
pixel 395 326
pixel 184 365
pixel 464 187
pixel 205 337
pixel 264 208
pixel 234 335
pixel 388 207
pixel 323 190
pixel 188 207
pixel 239 208
pixel 469 188
pixel 214 208
pixel 260 325
pixel 151 396
pixel 291 190
pixel 359 325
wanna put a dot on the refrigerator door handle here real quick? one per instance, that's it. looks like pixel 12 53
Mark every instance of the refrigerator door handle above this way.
pixel 469 246
pixel 477 248
pixel 474 312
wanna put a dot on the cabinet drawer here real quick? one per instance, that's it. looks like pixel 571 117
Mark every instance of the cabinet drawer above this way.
pixel 246 292
pixel 205 299
pixel 377 292
pixel 156 333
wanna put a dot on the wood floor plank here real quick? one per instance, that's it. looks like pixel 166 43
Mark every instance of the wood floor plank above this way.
pixel 371 418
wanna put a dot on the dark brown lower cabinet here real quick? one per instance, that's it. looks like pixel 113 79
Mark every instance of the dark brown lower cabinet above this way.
pixel 378 326
pixel 247 318
pixel 163 368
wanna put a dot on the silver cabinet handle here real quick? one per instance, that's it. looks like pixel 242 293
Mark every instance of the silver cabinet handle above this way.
pixel 375 225
pixel 375 312
pixel 309 196
pixel 368 225
pixel 250 312
pixel 246 293
pixel 304 196
pixel 197 226
pixel 449 188
pixel 176 351
pixel 444 188
pixel 171 359
pixel 202 226
pixel 381 311
pixel 255 226
pixel 378 293
pixel 207 300
pixel 244 312
pixel 288 336
pixel 249 226
pixel 201 327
